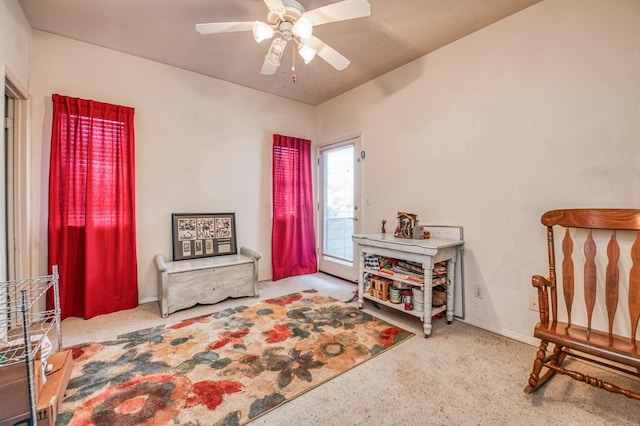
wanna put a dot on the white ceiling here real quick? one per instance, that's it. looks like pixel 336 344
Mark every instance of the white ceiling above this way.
pixel 397 32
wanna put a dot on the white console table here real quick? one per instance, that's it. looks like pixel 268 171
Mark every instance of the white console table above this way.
pixel 185 283
pixel 426 252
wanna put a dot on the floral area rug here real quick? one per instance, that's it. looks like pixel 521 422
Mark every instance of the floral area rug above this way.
pixel 226 368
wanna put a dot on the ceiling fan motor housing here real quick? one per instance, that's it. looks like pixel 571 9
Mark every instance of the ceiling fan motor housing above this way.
pixel 293 11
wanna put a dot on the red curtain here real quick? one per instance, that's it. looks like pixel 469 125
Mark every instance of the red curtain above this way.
pixel 92 233
pixel 293 241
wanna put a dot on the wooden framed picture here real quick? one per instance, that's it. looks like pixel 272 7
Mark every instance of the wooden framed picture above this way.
pixel 203 235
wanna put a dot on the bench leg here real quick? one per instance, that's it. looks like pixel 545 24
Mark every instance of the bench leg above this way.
pixel 556 358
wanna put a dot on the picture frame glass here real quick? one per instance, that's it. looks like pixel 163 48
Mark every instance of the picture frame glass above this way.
pixel 198 235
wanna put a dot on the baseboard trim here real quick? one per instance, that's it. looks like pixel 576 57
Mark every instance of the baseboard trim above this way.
pixel 530 340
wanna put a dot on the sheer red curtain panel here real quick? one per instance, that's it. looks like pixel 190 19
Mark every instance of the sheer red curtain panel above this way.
pixel 92 232
pixel 293 243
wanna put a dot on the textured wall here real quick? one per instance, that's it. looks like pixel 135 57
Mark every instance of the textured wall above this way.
pixel 536 112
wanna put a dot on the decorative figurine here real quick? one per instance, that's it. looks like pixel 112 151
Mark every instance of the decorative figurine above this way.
pixel 384 222
pixel 406 222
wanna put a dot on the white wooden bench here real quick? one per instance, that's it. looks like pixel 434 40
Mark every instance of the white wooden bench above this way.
pixel 185 283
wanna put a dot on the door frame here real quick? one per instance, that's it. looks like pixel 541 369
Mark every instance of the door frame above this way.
pixel 16 211
pixel 337 268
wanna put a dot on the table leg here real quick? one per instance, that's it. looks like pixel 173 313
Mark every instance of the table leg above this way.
pixel 360 278
pixel 428 297
pixel 451 271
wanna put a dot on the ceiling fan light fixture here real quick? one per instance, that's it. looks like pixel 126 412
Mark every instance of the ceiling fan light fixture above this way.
pixel 307 52
pixel 303 28
pixel 275 51
pixel 262 31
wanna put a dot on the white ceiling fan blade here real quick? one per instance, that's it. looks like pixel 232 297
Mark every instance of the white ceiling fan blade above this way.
pixel 275 6
pixel 268 68
pixel 341 11
pixel 328 53
pixel 223 27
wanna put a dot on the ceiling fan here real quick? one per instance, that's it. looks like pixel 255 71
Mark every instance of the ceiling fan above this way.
pixel 288 21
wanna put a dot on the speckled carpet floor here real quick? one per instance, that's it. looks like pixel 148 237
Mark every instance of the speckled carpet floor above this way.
pixel 461 375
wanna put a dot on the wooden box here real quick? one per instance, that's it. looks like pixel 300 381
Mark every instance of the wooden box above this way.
pixel 14 389
pixel 379 287
pixel 49 398
pixel 53 391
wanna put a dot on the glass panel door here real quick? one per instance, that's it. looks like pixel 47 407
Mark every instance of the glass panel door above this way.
pixel 339 207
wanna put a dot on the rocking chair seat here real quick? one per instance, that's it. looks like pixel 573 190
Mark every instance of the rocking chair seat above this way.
pixel 619 349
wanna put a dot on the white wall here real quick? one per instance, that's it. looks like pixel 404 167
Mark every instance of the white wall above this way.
pixel 202 145
pixel 15 38
pixel 538 111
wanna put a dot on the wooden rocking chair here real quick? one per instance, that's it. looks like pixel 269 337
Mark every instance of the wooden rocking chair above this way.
pixel 581 339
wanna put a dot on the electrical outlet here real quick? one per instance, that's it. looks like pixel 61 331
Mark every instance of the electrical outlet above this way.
pixel 477 291
pixel 533 303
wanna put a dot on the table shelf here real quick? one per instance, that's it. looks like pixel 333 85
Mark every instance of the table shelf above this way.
pixel 399 306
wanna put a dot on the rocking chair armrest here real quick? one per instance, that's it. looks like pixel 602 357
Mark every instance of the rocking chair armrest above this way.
pixel 540 282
